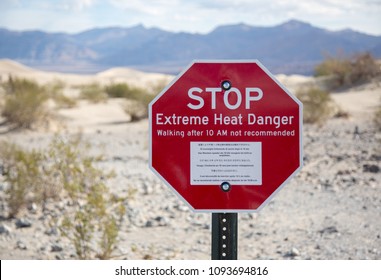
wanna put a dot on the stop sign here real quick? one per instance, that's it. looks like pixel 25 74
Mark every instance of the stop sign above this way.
pixel 225 135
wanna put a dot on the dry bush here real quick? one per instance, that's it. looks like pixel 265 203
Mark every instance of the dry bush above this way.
pixel 24 103
pixel 364 68
pixel 318 105
pixel 65 171
pixel 55 92
pixel 119 90
pixel 137 99
pixel 136 110
pixel 63 101
pixel 93 93
pixel 125 91
pixel 22 170
pixel 345 72
pixel 96 211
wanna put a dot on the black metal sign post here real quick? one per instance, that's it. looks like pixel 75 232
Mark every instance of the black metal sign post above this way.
pixel 224 236
pixel 224 232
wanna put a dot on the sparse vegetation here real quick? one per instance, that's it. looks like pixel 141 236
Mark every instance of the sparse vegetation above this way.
pixel 55 92
pixel 93 226
pixel 119 90
pixel 124 90
pixel 24 103
pixel 317 105
pixel 344 71
pixel 93 92
pixel 65 171
pixel 22 171
pixel 138 99
pixel 136 110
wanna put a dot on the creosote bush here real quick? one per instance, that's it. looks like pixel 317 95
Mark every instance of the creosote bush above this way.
pixel 128 92
pixel 318 105
pixel 117 90
pixel 24 103
pixel 23 170
pixel 139 99
pixel 65 171
pixel 348 71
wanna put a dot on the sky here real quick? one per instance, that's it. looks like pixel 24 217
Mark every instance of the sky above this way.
pixel 195 16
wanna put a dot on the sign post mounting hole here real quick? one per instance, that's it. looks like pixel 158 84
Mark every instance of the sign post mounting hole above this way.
pixel 225 186
pixel 226 85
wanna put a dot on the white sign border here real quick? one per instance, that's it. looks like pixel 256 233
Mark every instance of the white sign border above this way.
pixel 256 61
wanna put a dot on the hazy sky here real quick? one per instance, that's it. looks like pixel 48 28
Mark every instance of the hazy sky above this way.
pixel 187 15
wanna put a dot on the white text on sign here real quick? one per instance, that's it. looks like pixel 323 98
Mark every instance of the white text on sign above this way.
pixel 252 94
pixel 220 119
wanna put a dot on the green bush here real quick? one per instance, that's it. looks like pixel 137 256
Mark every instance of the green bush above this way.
pixel 95 219
pixel 116 90
pixel 138 99
pixel 318 105
pixel 345 72
pixel 22 170
pixel 24 103
pixel 120 90
pixel 94 216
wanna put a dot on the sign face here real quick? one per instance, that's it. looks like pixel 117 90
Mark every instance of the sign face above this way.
pixel 225 135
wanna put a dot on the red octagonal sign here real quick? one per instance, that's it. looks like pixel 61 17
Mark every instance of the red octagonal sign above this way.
pixel 225 135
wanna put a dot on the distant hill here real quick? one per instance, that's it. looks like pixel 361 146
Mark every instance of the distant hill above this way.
pixel 293 47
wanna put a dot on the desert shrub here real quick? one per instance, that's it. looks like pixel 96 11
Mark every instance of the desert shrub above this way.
pixel 128 92
pixel 75 169
pixel 123 90
pixel 96 211
pixel 317 105
pixel 55 93
pixel 119 90
pixel 24 103
pixel 65 170
pixel 345 71
pixel 29 180
pixel 94 220
pixel 21 171
pixel 93 92
pixel 63 101
pixel 136 110
pixel 364 68
pixel 138 99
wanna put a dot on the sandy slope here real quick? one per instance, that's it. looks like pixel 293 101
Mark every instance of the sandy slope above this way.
pixel 114 75
pixel 331 210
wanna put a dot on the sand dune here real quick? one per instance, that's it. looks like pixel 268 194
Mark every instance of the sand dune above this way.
pixel 133 76
pixel 113 75
pixel 8 66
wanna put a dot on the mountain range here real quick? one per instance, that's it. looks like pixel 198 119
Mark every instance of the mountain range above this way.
pixel 293 47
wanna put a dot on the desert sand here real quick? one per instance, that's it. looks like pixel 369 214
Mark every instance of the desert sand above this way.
pixel 330 210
